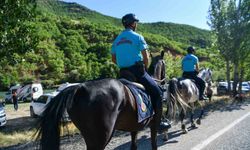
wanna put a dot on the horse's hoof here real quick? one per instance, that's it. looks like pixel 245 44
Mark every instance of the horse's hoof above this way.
pixel 183 127
pixel 193 125
pixel 185 131
pixel 165 136
pixel 198 121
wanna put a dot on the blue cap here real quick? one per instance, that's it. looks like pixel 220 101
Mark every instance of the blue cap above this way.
pixel 129 19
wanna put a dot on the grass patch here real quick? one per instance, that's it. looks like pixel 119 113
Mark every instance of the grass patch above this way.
pixel 21 128
pixel 10 138
pixel 22 106
pixel 15 138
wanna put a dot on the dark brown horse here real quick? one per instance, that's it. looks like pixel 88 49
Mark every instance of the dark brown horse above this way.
pixel 157 68
pixel 97 108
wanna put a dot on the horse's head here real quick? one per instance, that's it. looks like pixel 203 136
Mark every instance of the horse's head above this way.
pixel 157 67
pixel 205 74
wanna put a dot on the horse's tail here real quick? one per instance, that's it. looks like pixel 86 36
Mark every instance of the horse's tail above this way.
pixel 50 123
pixel 175 101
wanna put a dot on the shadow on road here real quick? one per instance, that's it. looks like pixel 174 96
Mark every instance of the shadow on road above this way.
pixel 19 125
pixel 221 106
pixel 145 141
pixel 225 105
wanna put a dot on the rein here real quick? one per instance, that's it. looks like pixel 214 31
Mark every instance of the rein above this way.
pixel 157 80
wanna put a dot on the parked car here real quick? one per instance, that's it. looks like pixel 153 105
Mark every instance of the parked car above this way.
pixel 63 86
pixel 8 95
pixel 222 88
pixel 245 87
pixel 3 120
pixel 37 106
pixel 27 92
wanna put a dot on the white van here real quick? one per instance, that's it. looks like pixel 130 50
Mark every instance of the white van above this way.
pixel 8 95
pixel 30 92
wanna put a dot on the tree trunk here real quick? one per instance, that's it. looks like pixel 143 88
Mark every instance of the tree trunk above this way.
pixel 236 78
pixel 241 79
pixel 228 76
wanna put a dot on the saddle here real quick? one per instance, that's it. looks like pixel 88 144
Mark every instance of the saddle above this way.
pixel 125 74
pixel 142 100
pixel 183 78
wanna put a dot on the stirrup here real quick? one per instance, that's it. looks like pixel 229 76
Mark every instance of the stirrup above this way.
pixel 203 98
pixel 163 126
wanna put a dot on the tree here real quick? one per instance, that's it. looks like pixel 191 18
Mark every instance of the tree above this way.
pixel 219 25
pixel 238 18
pixel 230 23
pixel 243 13
pixel 16 34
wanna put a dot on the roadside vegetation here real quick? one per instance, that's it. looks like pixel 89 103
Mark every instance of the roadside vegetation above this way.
pixel 21 128
pixel 230 23
pixel 71 43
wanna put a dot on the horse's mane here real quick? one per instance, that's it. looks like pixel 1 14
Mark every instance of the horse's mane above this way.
pixel 203 71
pixel 153 63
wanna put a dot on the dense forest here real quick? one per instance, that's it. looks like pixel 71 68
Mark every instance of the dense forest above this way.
pixel 67 42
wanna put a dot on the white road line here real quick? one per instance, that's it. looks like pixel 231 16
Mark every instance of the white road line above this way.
pixel 219 133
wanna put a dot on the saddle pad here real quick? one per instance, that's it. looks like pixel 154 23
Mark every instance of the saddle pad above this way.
pixel 143 102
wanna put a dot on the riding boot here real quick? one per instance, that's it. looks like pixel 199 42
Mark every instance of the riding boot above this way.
pixel 161 126
pixel 202 95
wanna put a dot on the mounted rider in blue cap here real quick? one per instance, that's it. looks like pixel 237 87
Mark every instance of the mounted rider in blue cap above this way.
pixel 190 67
pixel 129 52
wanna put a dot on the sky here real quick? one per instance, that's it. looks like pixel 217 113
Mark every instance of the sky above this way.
pixel 191 12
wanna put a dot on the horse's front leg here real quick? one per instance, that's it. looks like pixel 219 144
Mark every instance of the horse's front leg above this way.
pixel 183 127
pixel 165 135
pixel 134 140
pixel 154 137
pixel 193 125
pixel 198 121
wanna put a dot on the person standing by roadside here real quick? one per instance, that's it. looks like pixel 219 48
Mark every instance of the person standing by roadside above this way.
pixel 15 100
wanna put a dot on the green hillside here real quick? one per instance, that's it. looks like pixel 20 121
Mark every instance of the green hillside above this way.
pixel 180 33
pixel 73 45
pixel 175 32
pixel 76 11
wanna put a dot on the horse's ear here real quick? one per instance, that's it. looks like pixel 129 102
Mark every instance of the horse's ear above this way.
pixel 162 54
pixel 150 54
pixel 210 71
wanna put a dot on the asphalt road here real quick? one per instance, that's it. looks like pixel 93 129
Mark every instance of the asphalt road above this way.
pixel 237 138
pixel 225 126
